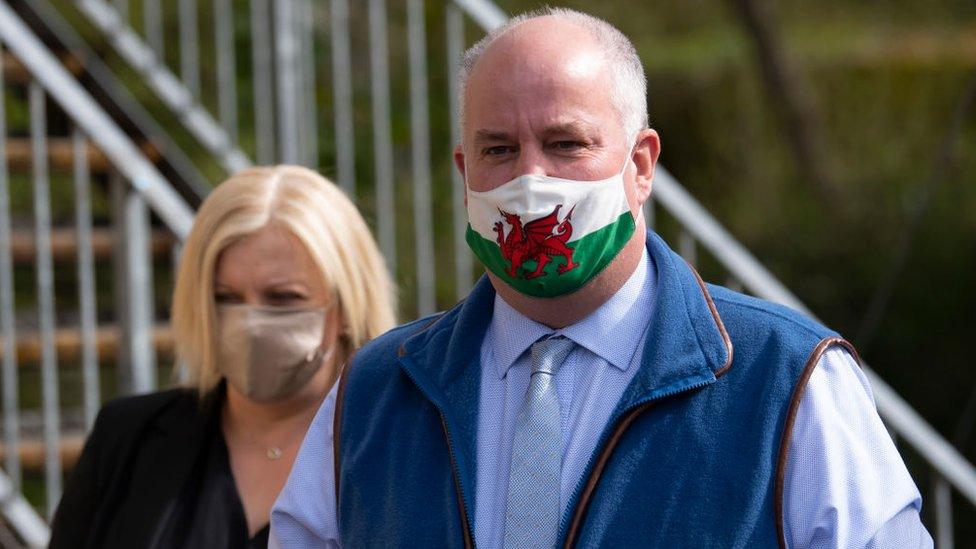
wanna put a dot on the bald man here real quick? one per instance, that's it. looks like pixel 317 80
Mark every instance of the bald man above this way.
pixel 592 390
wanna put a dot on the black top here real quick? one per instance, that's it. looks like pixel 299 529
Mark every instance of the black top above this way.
pixel 136 474
pixel 208 513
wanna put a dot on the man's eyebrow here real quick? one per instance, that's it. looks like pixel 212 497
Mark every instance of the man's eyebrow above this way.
pixel 566 128
pixel 572 128
pixel 491 135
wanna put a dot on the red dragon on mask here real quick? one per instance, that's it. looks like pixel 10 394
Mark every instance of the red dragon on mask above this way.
pixel 538 240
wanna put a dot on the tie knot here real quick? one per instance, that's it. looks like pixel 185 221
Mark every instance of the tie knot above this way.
pixel 548 354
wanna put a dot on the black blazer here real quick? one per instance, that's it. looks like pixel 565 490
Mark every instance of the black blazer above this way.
pixel 133 468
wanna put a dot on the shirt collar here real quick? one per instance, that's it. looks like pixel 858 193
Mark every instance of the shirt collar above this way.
pixel 613 331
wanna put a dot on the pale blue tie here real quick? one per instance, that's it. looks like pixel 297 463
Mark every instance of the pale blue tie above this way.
pixel 532 515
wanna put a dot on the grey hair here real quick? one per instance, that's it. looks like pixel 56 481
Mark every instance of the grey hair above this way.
pixel 629 86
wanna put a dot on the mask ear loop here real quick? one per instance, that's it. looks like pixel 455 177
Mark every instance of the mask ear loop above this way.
pixel 320 353
pixel 630 155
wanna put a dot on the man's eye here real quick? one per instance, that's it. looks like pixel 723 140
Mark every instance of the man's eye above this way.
pixel 568 145
pixel 498 150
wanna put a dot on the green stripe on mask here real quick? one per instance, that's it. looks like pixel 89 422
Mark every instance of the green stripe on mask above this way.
pixel 592 253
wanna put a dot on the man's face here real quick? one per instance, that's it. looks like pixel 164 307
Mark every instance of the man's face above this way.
pixel 539 102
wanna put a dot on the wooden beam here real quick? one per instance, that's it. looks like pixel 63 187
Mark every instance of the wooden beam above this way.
pixel 67 342
pixel 31 451
pixel 60 152
pixel 64 245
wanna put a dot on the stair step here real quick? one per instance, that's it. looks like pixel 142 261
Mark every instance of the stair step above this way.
pixel 64 243
pixel 60 153
pixel 14 71
pixel 31 451
pixel 67 341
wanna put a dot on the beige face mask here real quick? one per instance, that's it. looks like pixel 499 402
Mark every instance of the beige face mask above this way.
pixel 269 353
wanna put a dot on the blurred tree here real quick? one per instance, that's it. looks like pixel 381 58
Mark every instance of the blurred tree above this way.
pixel 791 96
pixel 946 160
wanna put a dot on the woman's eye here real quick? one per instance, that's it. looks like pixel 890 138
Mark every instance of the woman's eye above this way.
pixel 225 298
pixel 282 298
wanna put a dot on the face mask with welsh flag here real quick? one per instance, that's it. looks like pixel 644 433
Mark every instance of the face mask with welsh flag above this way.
pixel 547 236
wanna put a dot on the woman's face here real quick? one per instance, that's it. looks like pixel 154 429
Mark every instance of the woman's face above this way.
pixel 271 268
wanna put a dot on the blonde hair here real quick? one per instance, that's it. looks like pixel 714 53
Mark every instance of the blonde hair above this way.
pixel 324 220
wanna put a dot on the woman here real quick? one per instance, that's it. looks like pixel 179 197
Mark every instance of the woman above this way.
pixel 279 283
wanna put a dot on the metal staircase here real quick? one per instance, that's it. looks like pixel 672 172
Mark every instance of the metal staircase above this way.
pixel 117 133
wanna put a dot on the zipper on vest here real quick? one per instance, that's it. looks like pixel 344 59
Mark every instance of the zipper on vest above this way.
pixel 620 424
pixel 462 503
pixel 458 489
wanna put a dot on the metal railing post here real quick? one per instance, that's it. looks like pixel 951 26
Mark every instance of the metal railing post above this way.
pixel 733 284
pixel 342 91
pixel 152 17
pixel 263 77
pixel 463 264
pixel 379 70
pixel 11 402
pixel 86 280
pixel 687 248
pixel 286 74
pixel 310 93
pixel 226 66
pixel 137 360
pixel 189 46
pixel 942 501
pixel 123 375
pixel 122 6
pixel 420 158
pixel 50 401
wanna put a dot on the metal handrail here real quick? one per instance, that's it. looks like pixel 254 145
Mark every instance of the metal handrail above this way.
pixel 898 414
pixel 21 516
pixel 116 145
pixel 484 12
pixel 170 89
pixel 105 86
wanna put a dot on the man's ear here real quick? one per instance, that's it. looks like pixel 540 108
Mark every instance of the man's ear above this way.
pixel 645 155
pixel 459 159
pixel 459 164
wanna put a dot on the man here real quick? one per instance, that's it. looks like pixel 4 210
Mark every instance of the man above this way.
pixel 591 391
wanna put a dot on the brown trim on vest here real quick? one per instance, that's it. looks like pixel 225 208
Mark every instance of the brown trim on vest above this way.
pixel 336 425
pixel 624 423
pixel 718 322
pixel 337 416
pixel 784 446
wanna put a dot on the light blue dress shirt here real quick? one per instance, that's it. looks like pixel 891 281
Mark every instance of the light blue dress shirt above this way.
pixel 846 485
